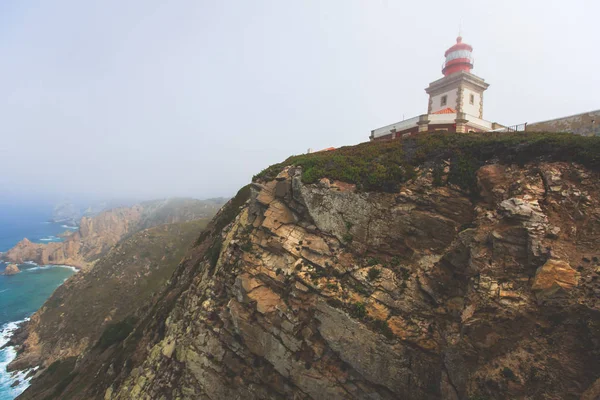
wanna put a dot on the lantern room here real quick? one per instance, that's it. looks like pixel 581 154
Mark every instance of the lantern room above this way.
pixel 458 58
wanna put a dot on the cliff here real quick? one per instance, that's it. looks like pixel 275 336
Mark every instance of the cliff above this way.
pixel 97 234
pixel 440 267
pixel 75 315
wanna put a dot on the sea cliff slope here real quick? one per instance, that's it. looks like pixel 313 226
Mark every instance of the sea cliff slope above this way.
pixel 440 267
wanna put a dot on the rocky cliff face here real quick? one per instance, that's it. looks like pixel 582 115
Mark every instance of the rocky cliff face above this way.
pixel 97 234
pixel 323 292
pixel 422 291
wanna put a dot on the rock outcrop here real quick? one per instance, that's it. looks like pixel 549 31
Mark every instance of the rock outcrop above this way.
pixel 423 290
pixel 11 269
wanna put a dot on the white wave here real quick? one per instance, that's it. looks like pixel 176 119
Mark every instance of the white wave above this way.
pixel 69 227
pixel 66 266
pixel 50 239
pixel 5 290
pixel 50 266
pixel 30 262
pixel 6 356
pixel 35 268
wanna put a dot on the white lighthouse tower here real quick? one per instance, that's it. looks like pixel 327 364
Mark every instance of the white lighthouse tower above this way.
pixel 455 101
pixel 459 90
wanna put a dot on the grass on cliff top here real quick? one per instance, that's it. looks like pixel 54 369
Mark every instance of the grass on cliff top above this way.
pixel 385 165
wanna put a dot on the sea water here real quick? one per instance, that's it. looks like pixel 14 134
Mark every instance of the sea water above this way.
pixel 22 294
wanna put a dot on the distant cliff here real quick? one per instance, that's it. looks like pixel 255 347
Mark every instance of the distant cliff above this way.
pixel 439 267
pixel 97 234
pixel 66 212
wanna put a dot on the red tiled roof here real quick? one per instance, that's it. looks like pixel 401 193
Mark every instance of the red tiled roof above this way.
pixel 446 111
pixel 327 149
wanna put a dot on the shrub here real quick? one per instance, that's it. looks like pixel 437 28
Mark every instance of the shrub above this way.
pixel 359 310
pixel 404 273
pixel 373 261
pixel 347 238
pixel 374 273
pixel 438 174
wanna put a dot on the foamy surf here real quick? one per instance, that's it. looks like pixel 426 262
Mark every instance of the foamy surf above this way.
pixel 50 239
pixel 6 356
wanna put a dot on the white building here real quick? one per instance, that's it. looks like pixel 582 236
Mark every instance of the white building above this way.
pixel 455 101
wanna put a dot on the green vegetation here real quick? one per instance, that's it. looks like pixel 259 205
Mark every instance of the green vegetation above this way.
pixel 116 333
pixel 385 165
pixel 359 310
pixel 404 273
pixel 347 238
pixel 373 261
pixel 374 273
pixel 438 174
pixel 247 246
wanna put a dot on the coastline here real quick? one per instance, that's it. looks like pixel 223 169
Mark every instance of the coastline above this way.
pixel 14 382
pixel 7 354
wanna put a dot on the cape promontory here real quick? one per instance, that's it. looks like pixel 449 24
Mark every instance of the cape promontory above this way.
pixel 436 267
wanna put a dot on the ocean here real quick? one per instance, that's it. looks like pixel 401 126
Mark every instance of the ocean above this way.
pixel 22 294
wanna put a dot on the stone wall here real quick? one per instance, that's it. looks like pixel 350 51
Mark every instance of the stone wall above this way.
pixel 585 124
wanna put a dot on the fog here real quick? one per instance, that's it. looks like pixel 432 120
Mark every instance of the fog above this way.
pixel 148 98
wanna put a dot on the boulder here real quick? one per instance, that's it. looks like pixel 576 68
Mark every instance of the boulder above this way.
pixel 554 277
pixel 11 269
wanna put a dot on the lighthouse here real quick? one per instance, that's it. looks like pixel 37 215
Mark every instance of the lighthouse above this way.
pixel 459 90
pixel 455 100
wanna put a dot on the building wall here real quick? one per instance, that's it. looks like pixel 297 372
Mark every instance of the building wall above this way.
pixel 585 124
pixel 450 102
pixel 471 109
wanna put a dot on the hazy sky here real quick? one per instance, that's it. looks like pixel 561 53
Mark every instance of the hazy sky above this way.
pixel 153 98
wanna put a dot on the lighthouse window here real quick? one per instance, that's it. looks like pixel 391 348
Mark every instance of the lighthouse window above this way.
pixel 471 99
pixel 444 100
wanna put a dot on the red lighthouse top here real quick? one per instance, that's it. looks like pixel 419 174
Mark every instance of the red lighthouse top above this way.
pixel 458 58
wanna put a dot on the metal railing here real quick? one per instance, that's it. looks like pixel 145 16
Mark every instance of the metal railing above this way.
pixel 512 128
